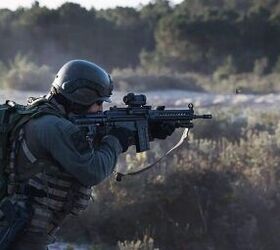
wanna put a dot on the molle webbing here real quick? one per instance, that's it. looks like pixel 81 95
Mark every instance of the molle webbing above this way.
pixel 57 191
pixel 63 193
pixel 60 200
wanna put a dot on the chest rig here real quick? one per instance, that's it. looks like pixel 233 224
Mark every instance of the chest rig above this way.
pixel 50 191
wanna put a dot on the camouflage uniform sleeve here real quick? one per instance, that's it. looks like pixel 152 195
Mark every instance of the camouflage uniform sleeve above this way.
pixel 68 146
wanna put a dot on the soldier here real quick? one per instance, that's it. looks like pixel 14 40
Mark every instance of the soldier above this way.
pixel 52 166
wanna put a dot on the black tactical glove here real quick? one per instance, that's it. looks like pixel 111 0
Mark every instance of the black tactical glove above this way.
pixel 124 135
pixel 161 130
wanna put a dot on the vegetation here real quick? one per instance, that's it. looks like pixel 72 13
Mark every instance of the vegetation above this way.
pixel 221 40
pixel 221 190
pixel 220 81
pixel 23 74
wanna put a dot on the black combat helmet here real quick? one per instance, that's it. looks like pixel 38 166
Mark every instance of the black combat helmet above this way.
pixel 83 82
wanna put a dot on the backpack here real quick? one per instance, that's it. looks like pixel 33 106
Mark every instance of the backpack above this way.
pixel 12 117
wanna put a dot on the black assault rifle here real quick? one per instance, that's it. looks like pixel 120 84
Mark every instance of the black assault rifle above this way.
pixel 138 117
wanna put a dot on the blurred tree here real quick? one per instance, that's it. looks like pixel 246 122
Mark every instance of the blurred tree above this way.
pixel 23 74
pixel 196 35
pixel 225 70
pixel 200 35
pixel 120 16
pixel 155 10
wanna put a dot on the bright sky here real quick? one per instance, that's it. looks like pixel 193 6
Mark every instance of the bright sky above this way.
pixel 97 4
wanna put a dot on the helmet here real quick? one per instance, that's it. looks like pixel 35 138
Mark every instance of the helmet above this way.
pixel 83 82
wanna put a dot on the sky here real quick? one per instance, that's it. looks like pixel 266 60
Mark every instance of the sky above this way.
pixel 97 4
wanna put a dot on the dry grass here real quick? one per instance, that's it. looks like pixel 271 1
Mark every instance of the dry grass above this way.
pixel 220 191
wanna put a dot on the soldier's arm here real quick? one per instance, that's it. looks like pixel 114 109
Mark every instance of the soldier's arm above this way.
pixel 65 143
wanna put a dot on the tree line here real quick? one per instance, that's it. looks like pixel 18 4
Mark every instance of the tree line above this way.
pixel 196 35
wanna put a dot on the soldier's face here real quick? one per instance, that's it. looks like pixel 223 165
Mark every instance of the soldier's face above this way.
pixel 96 107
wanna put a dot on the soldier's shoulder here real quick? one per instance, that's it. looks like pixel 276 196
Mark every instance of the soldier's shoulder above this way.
pixel 51 123
pixel 48 120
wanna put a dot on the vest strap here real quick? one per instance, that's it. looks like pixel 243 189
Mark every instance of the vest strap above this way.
pixel 27 152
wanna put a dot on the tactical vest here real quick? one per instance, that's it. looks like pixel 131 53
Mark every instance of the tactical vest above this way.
pixel 51 192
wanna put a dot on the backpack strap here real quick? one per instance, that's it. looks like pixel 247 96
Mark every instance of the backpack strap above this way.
pixel 39 108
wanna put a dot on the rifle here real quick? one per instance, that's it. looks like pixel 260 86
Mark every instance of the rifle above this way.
pixel 137 117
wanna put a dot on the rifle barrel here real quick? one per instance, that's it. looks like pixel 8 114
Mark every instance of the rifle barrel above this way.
pixel 202 116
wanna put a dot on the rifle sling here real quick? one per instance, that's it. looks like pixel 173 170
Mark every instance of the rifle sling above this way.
pixel 183 138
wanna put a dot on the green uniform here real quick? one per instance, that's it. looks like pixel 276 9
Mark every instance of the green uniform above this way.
pixel 65 168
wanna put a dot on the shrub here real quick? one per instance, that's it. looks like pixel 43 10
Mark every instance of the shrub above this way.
pixel 141 80
pixel 23 74
pixel 146 244
pixel 225 70
pixel 260 66
pixel 213 193
pixel 276 68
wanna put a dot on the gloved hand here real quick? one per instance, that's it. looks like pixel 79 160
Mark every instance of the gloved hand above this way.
pixel 161 130
pixel 124 135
